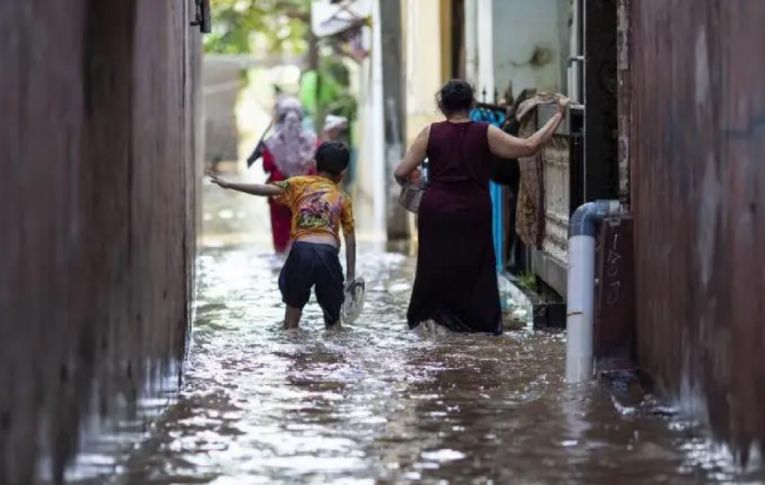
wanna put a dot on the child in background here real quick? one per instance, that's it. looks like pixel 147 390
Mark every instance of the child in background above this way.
pixel 335 128
pixel 319 208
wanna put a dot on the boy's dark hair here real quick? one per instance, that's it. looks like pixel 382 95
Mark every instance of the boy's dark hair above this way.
pixel 332 157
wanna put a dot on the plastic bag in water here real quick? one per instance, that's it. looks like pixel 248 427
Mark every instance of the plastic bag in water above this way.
pixel 354 300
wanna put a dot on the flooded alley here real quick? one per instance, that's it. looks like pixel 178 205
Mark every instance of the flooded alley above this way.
pixel 583 179
pixel 376 403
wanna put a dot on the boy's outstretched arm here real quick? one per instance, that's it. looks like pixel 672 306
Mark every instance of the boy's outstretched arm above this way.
pixel 265 190
pixel 350 257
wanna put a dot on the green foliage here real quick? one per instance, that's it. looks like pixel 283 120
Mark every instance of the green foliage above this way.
pixel 328 91
pixel 283 27
pixel 528 281
pixel 237 26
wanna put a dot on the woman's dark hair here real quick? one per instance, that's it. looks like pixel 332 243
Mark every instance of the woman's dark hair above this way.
pixel 332 157
pixel 456 95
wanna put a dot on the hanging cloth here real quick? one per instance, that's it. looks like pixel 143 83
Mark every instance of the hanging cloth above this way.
pixel 530 219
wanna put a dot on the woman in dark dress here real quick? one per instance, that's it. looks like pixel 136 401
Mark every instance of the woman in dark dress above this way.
pixel 456 281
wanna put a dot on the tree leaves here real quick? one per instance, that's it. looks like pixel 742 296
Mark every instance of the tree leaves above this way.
pixel 247 26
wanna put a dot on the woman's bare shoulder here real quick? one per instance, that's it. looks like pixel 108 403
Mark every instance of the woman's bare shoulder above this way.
pixel 423 135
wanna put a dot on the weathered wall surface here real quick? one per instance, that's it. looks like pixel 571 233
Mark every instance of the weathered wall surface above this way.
pixel 531 42
pixel 97 197
pixel 697 152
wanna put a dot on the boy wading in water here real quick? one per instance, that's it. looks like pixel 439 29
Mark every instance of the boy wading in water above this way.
pixel 318 208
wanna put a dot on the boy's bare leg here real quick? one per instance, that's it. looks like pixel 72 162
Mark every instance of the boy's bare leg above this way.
pixel 292 317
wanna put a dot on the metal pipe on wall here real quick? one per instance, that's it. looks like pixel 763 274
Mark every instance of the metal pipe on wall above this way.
pixel 576 58
pixel 581 286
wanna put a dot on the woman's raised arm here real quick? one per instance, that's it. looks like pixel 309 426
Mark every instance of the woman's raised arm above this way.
pixel 507 146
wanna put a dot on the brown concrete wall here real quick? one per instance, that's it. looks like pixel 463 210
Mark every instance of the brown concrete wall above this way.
pixel 697 154
pixel 97 198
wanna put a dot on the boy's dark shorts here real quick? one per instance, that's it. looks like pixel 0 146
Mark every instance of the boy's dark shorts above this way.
pixel 310 264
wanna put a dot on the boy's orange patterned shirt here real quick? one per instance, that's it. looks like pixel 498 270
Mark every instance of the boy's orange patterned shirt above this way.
pixel 318 206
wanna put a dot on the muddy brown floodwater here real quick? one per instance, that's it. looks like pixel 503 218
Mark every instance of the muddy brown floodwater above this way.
pixel 376 403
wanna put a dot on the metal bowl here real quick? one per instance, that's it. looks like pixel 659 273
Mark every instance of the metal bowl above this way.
pixel 410 198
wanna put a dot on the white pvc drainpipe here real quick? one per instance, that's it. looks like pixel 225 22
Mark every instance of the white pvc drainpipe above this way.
pixel 581 286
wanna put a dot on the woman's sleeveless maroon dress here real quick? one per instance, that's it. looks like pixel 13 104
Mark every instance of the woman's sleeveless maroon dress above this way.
pixel 456 281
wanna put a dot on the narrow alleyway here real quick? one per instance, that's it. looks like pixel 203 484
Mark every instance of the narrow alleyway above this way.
pixel 141 339
pixel 375 402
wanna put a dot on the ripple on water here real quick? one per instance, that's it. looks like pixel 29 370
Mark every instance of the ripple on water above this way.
pixel 376 402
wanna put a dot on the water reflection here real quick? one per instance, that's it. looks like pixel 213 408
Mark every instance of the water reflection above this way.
pixel 377 403
pixel 374 402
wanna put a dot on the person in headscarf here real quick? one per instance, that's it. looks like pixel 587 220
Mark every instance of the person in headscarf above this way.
pixel 287 152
